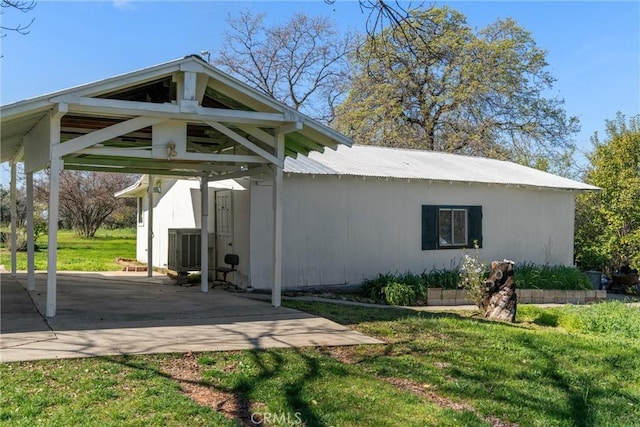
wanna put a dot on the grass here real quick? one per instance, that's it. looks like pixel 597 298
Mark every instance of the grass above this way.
pixel 449 369
pixel 80 254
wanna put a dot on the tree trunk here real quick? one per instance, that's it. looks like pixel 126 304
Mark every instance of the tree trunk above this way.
pixel 499 300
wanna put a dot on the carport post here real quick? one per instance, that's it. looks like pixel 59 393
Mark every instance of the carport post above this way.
pixel 150 228
pixel 52 252
pixel 31 279
pixel 276 288
pixel 204 234
pixel 14 218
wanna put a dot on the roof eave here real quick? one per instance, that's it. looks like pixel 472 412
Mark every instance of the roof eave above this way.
pixel 449 181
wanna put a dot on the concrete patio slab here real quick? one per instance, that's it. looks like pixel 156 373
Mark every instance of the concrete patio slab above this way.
pixel 113 314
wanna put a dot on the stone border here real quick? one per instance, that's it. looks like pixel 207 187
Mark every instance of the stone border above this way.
pixel 439 296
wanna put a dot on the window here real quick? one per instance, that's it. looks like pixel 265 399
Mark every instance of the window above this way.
pixel 450 227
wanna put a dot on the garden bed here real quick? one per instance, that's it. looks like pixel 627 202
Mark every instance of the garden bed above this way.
pixel 438 296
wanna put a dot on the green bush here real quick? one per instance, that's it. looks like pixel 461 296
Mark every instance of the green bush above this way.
pixel 395 289
pixel 373 288
pixel 399 294
pixel 442 278
pixel 532 276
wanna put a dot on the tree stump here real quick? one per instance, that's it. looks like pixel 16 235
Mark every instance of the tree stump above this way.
pixel 499 299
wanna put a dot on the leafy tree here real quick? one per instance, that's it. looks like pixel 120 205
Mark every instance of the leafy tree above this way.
pixel 86 199
pixel 301 63
pixel 430 81
pixel 19 6
pixel 608 222
pixel 39 221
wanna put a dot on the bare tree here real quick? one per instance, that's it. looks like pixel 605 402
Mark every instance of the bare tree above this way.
pixel 20 6
pixel 86 198
pixel 302 63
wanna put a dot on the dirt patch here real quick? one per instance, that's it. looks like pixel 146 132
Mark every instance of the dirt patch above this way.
pixel 425 391
pixel 341 354
pixel 188 373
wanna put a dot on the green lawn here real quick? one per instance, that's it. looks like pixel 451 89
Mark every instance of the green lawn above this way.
pixel 557 367
pixel 79 254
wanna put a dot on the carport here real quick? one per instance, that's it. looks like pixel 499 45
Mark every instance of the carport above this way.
pixel 110 314
pixel 183 118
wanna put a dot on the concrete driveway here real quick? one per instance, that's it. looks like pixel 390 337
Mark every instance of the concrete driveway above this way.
pixel 112 313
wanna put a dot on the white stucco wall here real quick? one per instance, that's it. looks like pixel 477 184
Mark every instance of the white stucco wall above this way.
pixel 342 230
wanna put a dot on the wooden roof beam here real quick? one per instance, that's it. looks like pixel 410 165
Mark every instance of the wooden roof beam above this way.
pixel 114 107
pixel 132 170
pixel 196 157
pixel 245 142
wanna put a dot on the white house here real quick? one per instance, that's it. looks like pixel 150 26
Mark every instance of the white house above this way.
pixel 354 212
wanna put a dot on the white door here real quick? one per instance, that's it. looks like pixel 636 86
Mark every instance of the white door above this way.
pixel 224 225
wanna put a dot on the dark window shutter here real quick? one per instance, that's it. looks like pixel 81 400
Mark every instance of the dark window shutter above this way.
pixel 429 227
pixel 475 225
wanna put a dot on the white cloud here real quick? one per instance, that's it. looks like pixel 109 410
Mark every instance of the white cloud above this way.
pixel 123 4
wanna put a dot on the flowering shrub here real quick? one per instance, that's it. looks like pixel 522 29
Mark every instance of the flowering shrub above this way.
pixel 472 275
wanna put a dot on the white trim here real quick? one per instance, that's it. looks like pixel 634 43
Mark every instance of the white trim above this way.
pixel 204 234
pixel 102 135
pixel 14 218
pixel 31 279
pixel 202 157
pixel 52 246
pixel 114 107
pixel 150 227
pixel 276 289
pixel 245 142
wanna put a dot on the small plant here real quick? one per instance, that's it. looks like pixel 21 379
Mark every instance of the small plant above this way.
pixel 399 294
pixel 374 288
pixel 472 275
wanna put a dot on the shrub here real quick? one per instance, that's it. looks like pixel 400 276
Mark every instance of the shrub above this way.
pixel 472 276
pixel 442 278
pixel 374 288
pixel 399 294
pixel 532 276
pixel 416 283
pixel 395 289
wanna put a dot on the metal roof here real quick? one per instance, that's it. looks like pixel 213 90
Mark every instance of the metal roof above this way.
pixel 385 162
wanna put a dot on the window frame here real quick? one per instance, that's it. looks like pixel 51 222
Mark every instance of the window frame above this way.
pixel 431 226
pixel 452 210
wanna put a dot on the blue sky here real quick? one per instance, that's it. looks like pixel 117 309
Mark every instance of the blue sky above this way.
pixel 593 47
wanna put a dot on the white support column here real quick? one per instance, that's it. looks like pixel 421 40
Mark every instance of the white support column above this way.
pixel 150 228
pixel 56 165
pixel 204 234
pixel 52 246
pixel 31 279
pixel 14 218
pixel 276 289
